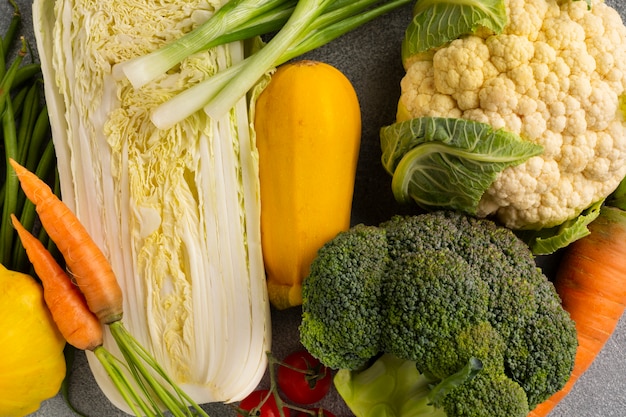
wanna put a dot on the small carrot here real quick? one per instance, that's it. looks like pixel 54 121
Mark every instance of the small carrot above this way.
pixel 591 281
pixel 87 263
pixel 78 325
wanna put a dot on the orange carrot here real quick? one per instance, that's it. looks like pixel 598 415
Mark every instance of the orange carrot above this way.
pixel 78 325
pixel 86 262
pixel 591 281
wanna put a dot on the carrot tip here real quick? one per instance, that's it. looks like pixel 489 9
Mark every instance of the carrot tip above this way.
pixel 16 166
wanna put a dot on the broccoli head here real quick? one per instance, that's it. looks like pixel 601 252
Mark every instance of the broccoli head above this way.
pixel 439 289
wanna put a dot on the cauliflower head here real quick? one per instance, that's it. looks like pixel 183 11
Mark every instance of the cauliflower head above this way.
pixel 555 76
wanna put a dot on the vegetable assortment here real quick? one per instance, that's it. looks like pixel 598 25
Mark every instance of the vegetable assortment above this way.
pixel 484 150
pixel 307 165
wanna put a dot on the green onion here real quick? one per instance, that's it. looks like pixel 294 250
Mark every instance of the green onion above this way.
pixel 338 22
pixel 228 18
pixel 261 25
pixel 259 63
pixel 337 19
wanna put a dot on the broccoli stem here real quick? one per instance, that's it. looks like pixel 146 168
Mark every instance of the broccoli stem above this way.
pixel 391 387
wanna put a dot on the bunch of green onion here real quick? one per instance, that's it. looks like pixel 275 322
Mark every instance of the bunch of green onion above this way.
pixel 25 138
pixel 298 26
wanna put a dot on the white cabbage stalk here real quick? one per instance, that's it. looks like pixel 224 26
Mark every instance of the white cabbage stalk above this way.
pixel 176 210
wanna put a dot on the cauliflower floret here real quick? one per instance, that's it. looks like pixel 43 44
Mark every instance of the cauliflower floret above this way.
pixel 601 105
pixel 463 66
pixel 421 96
pixel 509 51
pixel 555 77
pixel 526 17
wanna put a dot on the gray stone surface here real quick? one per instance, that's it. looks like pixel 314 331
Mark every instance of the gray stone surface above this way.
pixel 370 57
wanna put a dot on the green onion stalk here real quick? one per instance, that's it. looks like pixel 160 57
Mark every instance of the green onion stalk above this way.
pixel 218 93
pixel 257 64
pixel 318 32
pixel 150 389
pixel 228 18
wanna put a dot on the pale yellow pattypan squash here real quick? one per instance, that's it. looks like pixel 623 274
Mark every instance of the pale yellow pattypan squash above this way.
pixel 32 365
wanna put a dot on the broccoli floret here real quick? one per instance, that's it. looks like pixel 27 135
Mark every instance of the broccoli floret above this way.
pixel 502 260
pixel 451 288
pixel 342 320
pixel 489 394
pixel 539 355
pixel 426 332
pixel 482 341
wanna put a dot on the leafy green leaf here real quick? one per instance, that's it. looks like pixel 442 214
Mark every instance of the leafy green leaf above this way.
pixel 549 240
pixel 437 22
pixel 448 162
pixel 618 197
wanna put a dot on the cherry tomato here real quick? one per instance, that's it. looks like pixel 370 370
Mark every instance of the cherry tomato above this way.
pixel 319 412
pixel 254 404
pixel 308 383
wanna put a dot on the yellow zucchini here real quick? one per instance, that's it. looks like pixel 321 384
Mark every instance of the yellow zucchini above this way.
pixel 308 127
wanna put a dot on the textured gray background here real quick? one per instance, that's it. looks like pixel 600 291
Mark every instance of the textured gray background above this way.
pixel 370 57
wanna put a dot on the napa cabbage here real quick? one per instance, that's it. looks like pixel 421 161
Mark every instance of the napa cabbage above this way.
pixel 175 210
